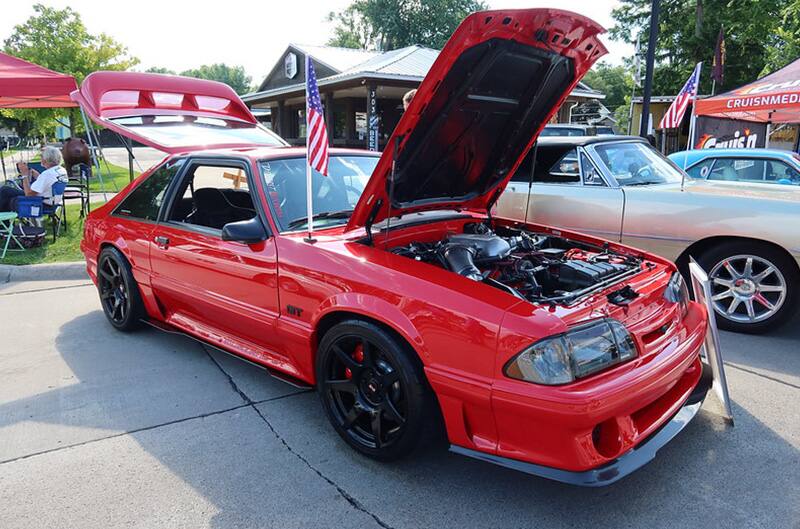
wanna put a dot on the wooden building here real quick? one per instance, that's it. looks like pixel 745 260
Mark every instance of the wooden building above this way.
pixel 361 90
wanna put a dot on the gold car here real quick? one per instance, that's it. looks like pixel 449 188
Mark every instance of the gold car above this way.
pixel 620 188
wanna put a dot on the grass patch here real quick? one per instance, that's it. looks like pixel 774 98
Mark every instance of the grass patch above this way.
pixel 118 179
pixel 65 248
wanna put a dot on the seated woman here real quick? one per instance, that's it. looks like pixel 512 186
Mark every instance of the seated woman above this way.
pixel 42 186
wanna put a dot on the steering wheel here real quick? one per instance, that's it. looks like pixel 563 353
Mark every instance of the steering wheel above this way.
pixel 644 173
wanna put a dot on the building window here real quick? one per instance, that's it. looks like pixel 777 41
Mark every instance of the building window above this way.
pixel 339 122
pixel 361 126
pixel 301 123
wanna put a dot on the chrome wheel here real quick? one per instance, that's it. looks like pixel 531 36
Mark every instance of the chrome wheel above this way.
pixel 747 288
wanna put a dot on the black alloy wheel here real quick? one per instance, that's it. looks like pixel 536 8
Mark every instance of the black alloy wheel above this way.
pixel 372 389
pixel 119 293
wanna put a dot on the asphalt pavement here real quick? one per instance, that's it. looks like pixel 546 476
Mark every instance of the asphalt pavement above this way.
pixel 104 429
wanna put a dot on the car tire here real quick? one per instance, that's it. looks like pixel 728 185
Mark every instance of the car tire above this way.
pixel 756 290
pixel 373 390
pixel 119 293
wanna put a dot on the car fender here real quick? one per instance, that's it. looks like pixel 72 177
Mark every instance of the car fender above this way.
pixel 377 309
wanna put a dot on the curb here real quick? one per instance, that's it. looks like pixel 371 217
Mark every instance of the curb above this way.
pixel 43 272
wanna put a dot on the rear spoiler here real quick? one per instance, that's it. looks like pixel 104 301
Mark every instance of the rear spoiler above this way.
pixel 105 95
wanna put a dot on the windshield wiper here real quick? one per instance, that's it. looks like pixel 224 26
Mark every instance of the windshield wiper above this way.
pixel 302 221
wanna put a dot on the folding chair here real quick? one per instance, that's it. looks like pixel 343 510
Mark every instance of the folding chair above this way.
pixel 56 211
pixel 78 186
pixel 31 209
pixel 7 219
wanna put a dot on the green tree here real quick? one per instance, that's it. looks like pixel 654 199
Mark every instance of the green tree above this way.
pixel 57 39
pixel 160 69
pixel 233 76
pixel 688 32
pixel 614 81
pixel 391 24
pixel 787 44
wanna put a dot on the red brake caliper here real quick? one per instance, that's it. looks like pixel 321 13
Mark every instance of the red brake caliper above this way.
pixel 358 356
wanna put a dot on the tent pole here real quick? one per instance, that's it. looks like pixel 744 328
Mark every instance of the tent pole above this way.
pixel 3 161
pixel 769 130
pixel 89 135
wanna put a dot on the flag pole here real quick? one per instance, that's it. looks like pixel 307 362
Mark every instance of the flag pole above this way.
pixel 309 199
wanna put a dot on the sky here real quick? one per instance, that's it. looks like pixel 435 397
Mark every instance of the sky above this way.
pixel 180 35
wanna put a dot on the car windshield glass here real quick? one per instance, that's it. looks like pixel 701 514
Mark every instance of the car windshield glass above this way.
pixel 175 131
pixel 637 164
pixel 334 196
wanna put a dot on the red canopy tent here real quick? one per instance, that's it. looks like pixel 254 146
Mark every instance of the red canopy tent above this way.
pixel 771 99
pixel 27 85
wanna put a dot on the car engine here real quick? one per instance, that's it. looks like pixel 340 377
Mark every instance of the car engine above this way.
pixel 540 268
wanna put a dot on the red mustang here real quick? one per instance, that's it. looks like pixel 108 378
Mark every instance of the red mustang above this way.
pixel 550 352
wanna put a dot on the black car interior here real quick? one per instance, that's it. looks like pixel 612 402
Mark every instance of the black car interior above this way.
pixel 211 207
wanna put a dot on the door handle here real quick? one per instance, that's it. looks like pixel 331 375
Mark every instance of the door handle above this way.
pixel 161 241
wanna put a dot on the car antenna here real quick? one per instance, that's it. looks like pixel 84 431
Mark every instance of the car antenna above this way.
pixel 397 140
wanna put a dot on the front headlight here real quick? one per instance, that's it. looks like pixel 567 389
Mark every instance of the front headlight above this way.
pixel 678 292
pixel 578 353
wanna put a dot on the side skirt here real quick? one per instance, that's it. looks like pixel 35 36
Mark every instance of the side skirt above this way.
pixel 274 373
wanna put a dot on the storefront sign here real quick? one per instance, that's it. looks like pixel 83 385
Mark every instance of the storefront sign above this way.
pixel 716 133
pixel 372 119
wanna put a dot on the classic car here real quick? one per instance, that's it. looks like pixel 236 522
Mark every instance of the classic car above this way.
pixel 575 129
pixel 620 188
pixel 409 307
pixel 757 166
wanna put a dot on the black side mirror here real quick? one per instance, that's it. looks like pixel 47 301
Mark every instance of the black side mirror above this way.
pixel 248 231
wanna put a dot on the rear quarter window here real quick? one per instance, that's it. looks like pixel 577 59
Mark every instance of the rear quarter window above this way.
pixel 145 201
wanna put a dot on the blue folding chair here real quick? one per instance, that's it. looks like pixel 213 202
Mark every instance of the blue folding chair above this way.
pixel 56 211
pixel 31 209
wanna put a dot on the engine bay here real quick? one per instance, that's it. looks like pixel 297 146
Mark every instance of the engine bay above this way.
pixel 540 268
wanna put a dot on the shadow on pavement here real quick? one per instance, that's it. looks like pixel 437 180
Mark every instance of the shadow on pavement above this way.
pixel 782 356
pixel 709 476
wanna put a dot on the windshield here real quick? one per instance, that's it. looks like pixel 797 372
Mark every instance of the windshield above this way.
pixel 334 196
pixel 177 130
pixel 636 163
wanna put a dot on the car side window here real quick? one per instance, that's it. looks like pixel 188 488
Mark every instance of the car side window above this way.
pixel 735 169
pixel 557 166
pixel 782 173
pixel 211 196
pixel 700 170
pixel 523 172
pixel 591 176
pixel 145 201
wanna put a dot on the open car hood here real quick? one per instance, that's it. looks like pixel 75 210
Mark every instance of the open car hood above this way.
pixel 171 113
pixel 496 83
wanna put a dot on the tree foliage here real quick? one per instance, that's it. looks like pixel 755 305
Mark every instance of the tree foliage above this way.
pixel 688 32
pixel 614 81
pixel 233 76
pixel 787 43
pixel 57 39
pixel 161 70
pixel 391 24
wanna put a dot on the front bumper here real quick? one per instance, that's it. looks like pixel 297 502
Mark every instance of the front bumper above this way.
pixel 623 465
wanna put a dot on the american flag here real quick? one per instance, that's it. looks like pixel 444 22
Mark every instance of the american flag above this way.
pixel 316 134
pixel 674 115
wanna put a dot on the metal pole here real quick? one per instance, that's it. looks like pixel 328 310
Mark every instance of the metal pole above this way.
pixel 309 180
pixel 3 160
pixel 630 110
pixel 130 160
pixel 89 132
pixel 650 61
